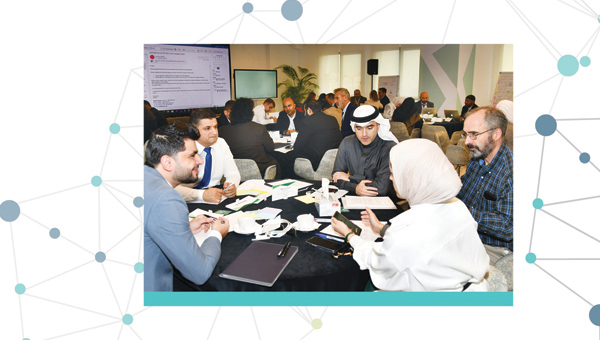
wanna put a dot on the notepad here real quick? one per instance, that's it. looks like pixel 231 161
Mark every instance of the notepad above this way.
pixel 361 202
pixel 259 264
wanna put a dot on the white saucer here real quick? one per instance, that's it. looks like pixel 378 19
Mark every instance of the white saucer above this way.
pixel 237 229
pixel 315 226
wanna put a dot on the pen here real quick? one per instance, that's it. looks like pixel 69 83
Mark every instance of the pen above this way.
pixel 333 238
pixel 284 250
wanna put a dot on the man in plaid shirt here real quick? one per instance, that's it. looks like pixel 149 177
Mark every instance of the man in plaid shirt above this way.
pixel 488 182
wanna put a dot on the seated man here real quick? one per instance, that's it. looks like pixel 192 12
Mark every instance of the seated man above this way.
pixel 383 99
pixel 261 112
pixel 171 159
pixel 225 119
pixel 362 162
pixel 218 162
pixel 423 102
pixel 286 123
pixel 358 99
pixel 469 105
pixel 317 133
pixel 488 183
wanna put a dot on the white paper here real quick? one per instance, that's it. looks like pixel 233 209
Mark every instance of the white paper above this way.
pixel 239 204
pixel 361 202
pixel 284 192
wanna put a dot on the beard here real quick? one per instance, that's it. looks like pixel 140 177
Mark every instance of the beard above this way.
pixel 483 151
pixel 184 176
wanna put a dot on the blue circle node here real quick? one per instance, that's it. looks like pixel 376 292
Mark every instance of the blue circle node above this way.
pixel 595 315
pixel 247 8
pixel 115 128
pixel 54 233
pixel 530 258
pixel 9 211
pixel 568 65
pixel 291 10
pixel 538 203
pixel 20 288
pixel 138 202
pixel 100 257
pixel 585 61
pixel 127 319
pixel 138 267
pixel 584 157
pixel 545 125
pixel 96 181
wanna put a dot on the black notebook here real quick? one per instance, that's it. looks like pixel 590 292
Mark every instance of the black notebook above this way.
pixel 259 264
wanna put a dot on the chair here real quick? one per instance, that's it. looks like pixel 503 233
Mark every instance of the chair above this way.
pixel 416 133
pixel 429 131
pixel 455 137
pixel 441 139
pixel 303 167
pixel 458 155
pixel 399 130
pixel 249 170
pixel 496 280
pixel 505 265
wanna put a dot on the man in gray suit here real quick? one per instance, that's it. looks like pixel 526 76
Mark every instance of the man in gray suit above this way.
pixel 171 159
pixel 424 102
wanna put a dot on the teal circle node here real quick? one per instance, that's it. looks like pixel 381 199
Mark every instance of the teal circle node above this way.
pixel 568 65
pixel 538 203
pixel 138 202
pixel 585 61
pixel 530 258
pixel 291 10
pixel 595 315
pixel 127 319
pixel 54 233
pixel 100 257
pixel 26 339
pixel 96 181
pixel 317 323
pixel 20 288
pixel 584 157
pixel 138 267
pixel 599 18
pixel 114 128
pixel 247 8
pixel 545 125
pixel 9 211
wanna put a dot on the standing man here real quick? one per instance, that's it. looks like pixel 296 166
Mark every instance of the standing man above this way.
pixel 469 105
pixel 423 102
pixel 358 100
pixel 261 112
pixel 171 159
pixel 383 99
pixel 342 99
pixel 288 122
pixel 488 182
pixel 225 119
pixel 218 162
pixel 362 162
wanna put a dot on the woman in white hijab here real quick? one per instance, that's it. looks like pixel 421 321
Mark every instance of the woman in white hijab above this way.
pixel 433 246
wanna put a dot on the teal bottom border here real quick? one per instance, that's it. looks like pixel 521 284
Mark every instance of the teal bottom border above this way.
pixel 328 299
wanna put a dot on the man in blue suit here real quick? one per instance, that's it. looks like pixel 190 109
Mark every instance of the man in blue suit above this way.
pixel 342 99
pixel 171 159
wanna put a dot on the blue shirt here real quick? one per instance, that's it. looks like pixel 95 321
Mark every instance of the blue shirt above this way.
pixel 492 211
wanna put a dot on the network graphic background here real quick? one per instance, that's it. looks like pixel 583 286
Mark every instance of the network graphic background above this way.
pixel 71 189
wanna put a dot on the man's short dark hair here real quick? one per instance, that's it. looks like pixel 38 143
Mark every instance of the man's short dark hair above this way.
pixel 494 118
pixel 229 105
pixel 269 101
pixel 324 104
pixel 383 89
pixel 312 104
pixel 199 114
pixel 241 112
pixel 471 97
pixel 168 140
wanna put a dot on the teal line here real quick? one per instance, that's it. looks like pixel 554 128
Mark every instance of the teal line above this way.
pixel 328 299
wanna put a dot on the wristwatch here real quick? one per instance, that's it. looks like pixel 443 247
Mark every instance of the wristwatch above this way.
pixel 384 229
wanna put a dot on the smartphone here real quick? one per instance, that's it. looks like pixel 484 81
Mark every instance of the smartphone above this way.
pixel 325 245
pixel 347 222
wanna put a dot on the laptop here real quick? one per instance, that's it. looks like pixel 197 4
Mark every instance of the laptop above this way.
pixel 451 114
pixel 429 110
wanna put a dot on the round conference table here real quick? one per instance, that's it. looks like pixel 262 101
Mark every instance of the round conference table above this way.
pixel 311 269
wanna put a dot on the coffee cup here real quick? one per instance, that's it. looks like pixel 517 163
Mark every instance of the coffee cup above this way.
pixel 246 224
pixel 305 221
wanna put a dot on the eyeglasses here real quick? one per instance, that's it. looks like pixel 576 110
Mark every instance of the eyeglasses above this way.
pixel 473 135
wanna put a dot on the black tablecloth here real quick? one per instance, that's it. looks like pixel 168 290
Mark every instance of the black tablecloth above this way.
pixel 451 126
pixel 310 270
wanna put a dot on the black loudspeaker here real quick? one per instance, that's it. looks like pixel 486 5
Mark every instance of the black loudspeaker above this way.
pixel 372 66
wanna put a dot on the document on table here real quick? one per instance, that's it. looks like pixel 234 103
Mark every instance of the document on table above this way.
pixel 360 202
pixel 284 149
pixel 199 200
pixel 290 182
pixel 366 233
